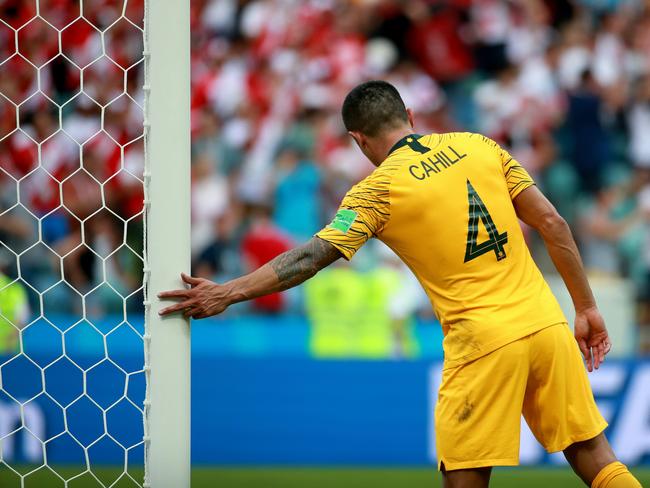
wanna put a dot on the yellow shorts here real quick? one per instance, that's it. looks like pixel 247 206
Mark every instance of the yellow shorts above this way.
pixel 478 415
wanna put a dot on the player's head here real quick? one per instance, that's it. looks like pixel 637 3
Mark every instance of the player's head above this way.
pixel 372 113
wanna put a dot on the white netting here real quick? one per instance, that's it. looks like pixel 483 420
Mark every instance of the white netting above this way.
pixel 72 379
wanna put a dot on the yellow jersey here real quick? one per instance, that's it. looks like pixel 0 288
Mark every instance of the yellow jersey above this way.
pixel 443 204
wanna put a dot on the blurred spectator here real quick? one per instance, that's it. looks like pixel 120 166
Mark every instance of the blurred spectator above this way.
pixel 589 149
pixel 220 258
pixel 209 201
pixel 399 297
pixel 14 311
pixel 364 313
pixel 501 102
pixel 644 289
pixel 260 243
pixel 576 55
pixel 298 209
pixel 639 122
pixel 609 56
pixel 605 226
pixel 530 34
pixel 437 44
pixel 491 24
pixel 334 300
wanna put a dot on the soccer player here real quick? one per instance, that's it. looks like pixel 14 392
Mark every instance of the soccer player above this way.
pixel 448 205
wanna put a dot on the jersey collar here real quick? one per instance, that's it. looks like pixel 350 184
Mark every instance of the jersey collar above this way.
pixel 404 141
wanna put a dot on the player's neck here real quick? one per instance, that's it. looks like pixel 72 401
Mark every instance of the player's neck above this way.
pixel 391 138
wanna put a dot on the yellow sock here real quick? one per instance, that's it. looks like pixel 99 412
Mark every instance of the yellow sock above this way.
pixel 615 475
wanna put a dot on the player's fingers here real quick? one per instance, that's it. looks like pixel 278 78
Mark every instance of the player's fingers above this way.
pixel 586 352
pixel 597 352
pixel 190 280
pixel 601 352
pixel 582 344
pixel 608 346
pixel 174 308
pixel 173 294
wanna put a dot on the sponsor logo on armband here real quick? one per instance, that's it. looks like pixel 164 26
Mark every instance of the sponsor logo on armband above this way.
pixel 343 220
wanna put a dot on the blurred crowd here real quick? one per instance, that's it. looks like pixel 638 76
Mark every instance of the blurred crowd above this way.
pixel 564 84
pixel 71 158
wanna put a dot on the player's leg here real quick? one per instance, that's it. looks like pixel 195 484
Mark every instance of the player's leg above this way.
pixel 588 458
pixel 466 478
pixel 478 415
pixel 560 408
pixel 594 461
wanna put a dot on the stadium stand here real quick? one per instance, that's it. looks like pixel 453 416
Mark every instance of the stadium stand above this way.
pixel 565 84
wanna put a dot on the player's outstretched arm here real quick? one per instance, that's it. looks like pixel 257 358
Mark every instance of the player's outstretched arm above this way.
pixel 534 209
pixel 205 298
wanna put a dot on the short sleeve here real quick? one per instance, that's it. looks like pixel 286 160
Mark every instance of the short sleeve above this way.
pixel 517 178
pixel 363 213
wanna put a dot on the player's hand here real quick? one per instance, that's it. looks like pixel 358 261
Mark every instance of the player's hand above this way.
pixel 591 335
pixel 203 299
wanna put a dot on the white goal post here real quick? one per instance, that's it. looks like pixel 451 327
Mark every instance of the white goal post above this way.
pixel 167 218
pixel 94 156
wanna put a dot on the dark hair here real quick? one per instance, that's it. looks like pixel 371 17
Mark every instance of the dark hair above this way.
pixel 373 107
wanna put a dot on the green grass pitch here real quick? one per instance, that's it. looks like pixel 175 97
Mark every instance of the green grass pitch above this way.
pixel 255 477
pixel 381 478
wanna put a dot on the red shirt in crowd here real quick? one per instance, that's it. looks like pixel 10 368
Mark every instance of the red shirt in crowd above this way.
pixel 262 243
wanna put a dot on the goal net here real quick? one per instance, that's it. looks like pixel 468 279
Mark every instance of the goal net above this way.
pixel 72 166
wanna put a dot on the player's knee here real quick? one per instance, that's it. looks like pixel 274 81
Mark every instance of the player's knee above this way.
pixel 596 446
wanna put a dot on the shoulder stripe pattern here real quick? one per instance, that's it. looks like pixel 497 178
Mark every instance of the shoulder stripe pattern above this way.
pixel 517 178
pixel 370 199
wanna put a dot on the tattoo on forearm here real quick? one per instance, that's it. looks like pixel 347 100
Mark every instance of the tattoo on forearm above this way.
pixel 295 266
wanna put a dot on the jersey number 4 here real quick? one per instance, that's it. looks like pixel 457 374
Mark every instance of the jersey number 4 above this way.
pixel 496 240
